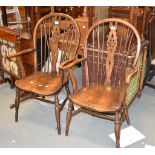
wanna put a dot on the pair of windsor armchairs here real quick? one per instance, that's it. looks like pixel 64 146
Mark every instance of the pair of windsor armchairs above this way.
pixel 111 49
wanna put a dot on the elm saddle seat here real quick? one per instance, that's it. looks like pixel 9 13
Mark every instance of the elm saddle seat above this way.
pixel 41 83
pixel 111 50
pixel 96 100
pixel 51 48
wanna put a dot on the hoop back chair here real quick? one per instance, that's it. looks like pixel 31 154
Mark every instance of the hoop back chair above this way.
pixel 112 47
pixel 56 39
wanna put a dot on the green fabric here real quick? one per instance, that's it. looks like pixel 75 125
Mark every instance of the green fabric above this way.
pixel 134 83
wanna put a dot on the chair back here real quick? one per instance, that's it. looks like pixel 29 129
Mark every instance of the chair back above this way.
pixel 111 47
pixel 56 39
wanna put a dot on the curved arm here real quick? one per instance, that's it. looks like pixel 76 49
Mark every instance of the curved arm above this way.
pixel 71 63
pixel 66 62
pixel 68 65
pixel 22 53
pixel 130 75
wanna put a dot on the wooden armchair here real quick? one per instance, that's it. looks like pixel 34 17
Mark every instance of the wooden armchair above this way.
pixel 56 39
pixel 112 47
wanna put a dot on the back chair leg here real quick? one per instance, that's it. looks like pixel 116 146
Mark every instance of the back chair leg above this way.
pixel 125 109
pixel 17 102
pixel 68 117
pixel 117 129
pixel 67 88
pixel 64 102
pixel 57 114
pixel 68 92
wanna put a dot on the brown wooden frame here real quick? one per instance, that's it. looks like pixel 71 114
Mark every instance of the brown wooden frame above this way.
pixel 53 32
pixel 90 98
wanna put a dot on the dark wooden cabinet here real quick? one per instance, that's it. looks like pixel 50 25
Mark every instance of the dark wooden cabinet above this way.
pixel 134 15
pixel 73 11
pixel 11 43
pixel 150 68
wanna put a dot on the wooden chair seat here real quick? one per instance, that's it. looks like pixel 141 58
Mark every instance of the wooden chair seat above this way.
pixel 41 83
pixel 98 98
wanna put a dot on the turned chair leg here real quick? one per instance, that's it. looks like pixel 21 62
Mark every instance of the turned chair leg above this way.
pixel 67 88
pixel 68 117
pixel 17 103
pixel 65 100
pixel 117 129
pixel 12 82
pixel 68 92
pixel 125 109
pixel 57 114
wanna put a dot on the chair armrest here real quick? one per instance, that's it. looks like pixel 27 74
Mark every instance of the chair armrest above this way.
pixel 67 65
pixel 130 75
pixel 22 53
pixel 134 71
pixel 144 43
pixel 24 22
pixel 71 63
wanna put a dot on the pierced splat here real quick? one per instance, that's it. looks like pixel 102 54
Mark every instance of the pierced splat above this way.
pixel 54 43
pixel 111 47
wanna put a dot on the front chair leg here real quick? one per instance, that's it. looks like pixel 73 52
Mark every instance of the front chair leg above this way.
pixel 17 102
pixel 117 129
pixel 57 114
pixel 68 117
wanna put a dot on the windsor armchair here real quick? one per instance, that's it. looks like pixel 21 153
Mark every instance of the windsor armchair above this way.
pixel 112 47
pixel 56 38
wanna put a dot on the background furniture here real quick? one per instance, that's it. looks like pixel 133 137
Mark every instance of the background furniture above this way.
pixel 11 43
pixel 4 15
pixel 111 51
pixel 134 15
pixel 150 68
pixel 12 17
pixel 56 39
pixel 12 12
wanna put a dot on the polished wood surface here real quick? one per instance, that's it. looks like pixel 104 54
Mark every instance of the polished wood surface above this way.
pixel 41 83
pixel 95 98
